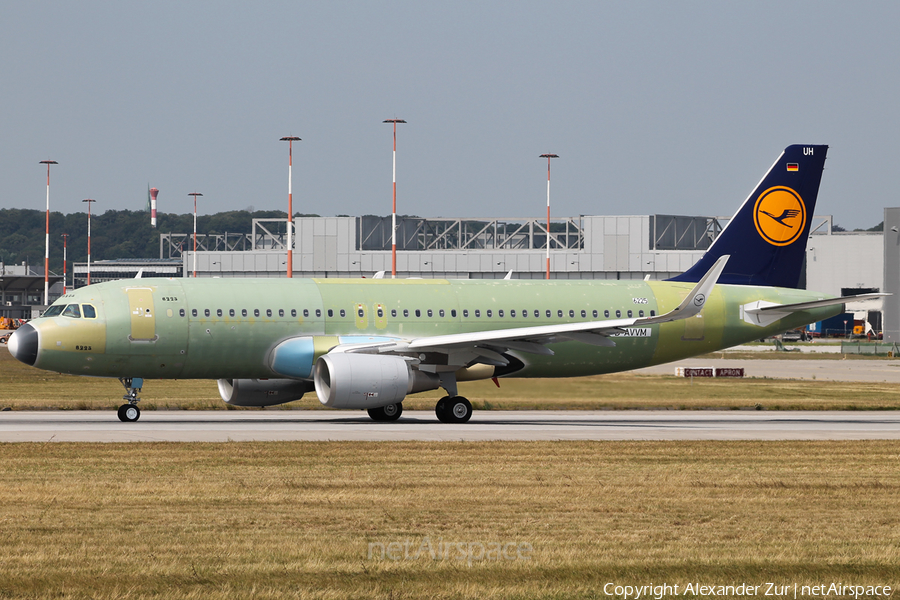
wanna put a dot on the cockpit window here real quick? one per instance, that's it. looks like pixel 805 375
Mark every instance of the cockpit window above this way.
pixel 54 310
pixel 72 310
pixel 89 311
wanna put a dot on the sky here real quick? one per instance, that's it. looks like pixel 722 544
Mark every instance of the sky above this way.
pixel 652 107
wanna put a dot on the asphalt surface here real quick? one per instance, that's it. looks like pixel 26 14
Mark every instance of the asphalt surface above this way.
pixel 275 425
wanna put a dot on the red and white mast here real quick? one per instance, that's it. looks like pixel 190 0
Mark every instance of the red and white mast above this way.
pixel 290 139
pixel 65 238
pixel 47 236
pixel 195 194
pixel 89 201
pixel 548 157
pixel 394 209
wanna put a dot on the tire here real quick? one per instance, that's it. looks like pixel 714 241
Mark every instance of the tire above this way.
pixel 440 409
pixel 129 413
pixel 459 410
pixel 386 414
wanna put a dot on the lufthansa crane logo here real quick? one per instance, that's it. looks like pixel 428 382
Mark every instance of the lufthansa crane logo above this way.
pixel 779 215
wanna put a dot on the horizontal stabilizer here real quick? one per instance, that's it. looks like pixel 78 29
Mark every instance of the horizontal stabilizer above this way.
pixel 764 313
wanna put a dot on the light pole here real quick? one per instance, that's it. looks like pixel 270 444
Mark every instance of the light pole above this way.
pixel 195 194
pixel 89 201
pixel 290 139
pixel 548 157
pixel 47 236
pixel 65 238
pixel 394 209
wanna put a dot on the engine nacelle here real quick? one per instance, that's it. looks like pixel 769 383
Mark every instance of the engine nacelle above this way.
pixel 347 380
pixel 262 392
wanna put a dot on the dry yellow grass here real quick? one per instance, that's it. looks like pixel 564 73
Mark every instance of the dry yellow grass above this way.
pixel 23 387
pixel 276 520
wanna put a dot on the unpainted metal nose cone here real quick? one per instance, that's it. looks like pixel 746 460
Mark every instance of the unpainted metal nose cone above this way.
pixel 23 344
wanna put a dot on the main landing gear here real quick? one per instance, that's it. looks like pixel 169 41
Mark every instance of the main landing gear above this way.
pixel 386 414
pixel 129 413
pixel 453 409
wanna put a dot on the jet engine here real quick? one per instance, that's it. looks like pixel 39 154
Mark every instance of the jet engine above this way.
pixel 262 392
pixel 347 380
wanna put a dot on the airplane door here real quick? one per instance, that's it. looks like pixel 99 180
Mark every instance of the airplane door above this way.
pixel 143 315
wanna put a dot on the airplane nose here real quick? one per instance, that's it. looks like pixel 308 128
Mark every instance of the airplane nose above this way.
pixel 23 344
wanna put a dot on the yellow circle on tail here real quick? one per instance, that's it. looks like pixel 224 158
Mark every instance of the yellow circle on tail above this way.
pixel 779 215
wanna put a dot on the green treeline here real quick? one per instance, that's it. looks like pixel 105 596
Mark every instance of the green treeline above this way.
pixel 114 233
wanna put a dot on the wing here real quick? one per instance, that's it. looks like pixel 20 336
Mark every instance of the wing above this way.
pixel 465 349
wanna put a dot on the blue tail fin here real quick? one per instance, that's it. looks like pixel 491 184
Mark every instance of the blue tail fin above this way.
pixel 767 236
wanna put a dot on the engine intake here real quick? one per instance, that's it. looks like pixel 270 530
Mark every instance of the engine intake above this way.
pixel 346 380
pixel 262 392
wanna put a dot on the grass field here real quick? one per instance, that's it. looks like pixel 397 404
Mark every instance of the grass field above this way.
pixel 300 520
pixel 23 387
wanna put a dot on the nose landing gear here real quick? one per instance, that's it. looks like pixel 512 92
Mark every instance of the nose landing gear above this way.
pixel 129 413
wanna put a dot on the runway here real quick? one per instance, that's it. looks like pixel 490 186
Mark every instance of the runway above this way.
pixel 320 425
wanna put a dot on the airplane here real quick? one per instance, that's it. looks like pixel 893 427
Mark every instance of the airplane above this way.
pixel 366 344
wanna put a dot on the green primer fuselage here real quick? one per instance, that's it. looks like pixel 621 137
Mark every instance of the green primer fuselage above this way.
pixel 197 328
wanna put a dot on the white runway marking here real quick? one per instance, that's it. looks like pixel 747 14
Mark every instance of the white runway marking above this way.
pixel 273 425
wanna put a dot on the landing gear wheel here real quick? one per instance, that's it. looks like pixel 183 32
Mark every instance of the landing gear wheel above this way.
pixel 440 409
pixel 454 409
pixel 129 413
pixel 386 414
pixel 459 410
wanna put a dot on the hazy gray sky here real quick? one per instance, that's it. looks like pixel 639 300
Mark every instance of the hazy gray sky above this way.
pixel 653 107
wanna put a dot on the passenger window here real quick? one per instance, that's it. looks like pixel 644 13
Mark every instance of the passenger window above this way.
pixel 330 312
pixel 418 313
pixel 465 312
pixel 525 313
pixel 537 313
pixel 73 311
pixel 305 312
pixel 360 313
pixel 640 313
pixel 441 312
pixel 430 313
pixel 500 313
pixel 218 312
pixel 268 312
pixel 405 312
pixel 559 313
pixel 629 314
pixel 478 312
pixel 380 313
pixel 393 312
pixel 618 313
pixel 652 313
pixel 293 312
pixel 571 313
pixel 243 312
pixel 193 312
pixel 343 313
pixel 280 312
pixel 490 313
pixel 512 313
pixel 453 312
pixel 595 313
pixel 181 312
pixel 606 313
pixel 88 311
pixel 318 312
pixel 255 312
pixel 206 312
pixel 583 314
pixel 230 312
